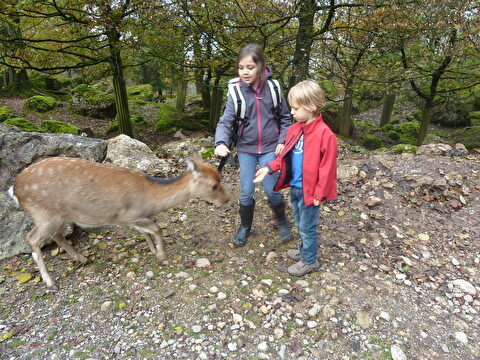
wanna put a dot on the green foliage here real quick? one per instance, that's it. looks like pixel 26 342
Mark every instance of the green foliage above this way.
pixel 328 86
pixel 408 132
pixel 371 142
pixel 207 153
pixel 364 125
pixel 40 103
pixel 138 120
pixel 6 113
pixel 394 121
pixel 143 92
pixel 59 127
pixel 474 117
pixel 469 136
pixel 24 125
pixel 404 148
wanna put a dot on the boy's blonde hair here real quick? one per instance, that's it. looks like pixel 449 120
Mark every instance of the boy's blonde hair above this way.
pixel 308 94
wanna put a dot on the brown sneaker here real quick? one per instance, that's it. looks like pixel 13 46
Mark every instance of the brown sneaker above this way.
pixel 300 268
pixel 294 254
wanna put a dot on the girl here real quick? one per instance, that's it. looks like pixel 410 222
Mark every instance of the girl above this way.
pixel 261 136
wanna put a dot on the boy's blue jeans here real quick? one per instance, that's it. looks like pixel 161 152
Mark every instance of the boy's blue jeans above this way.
pixel 248 168
pixel 306 220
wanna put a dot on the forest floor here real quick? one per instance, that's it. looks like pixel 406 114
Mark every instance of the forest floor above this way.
pixel 399 279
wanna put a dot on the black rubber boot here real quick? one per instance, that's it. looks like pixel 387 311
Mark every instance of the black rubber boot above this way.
pixel 246 217
pixel 282 223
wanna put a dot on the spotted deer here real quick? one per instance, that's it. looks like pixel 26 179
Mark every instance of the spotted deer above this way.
pixel 57 191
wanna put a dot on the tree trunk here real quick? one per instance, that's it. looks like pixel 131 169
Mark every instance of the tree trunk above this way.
pixel 388 102
pixel 215 108
pixel 181 95
pixel 119 86
pixel 304 41
pixel 346 123
pixel 426 117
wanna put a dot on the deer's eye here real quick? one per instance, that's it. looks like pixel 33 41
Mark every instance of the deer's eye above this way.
pixel 215 187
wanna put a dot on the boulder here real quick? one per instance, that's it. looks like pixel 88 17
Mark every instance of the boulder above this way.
pixel 127 152
pixel 18 150
pixel 89 101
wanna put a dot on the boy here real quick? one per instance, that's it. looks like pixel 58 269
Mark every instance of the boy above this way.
pixel 308 165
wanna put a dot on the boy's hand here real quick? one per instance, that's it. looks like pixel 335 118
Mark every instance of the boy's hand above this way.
pixel 279 149
pixel 260 175
pixel 316 202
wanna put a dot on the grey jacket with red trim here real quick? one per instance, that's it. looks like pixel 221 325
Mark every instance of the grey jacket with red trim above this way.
pixel 260 132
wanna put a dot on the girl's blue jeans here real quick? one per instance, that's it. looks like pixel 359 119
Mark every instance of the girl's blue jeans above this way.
pixel 248 168
pixel 306 220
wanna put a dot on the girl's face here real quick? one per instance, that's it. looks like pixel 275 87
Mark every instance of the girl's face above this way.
pixel 248 71
pixel 302 114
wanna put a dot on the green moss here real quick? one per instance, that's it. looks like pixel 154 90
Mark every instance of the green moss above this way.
pixel 364 125
pixel 138 120
pixel 417 115
pixel 92 95
pixel 371 142
pixel 144 92
pixel 403 148
pixel 40 103
pixel 24 125
pixel 6 113
pixel 392 134
pixel 474 117
pixel 169 119
pixel 59 127
pixel 408 132
pixel 469 136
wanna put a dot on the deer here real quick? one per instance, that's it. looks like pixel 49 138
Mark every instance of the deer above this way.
pixel 57 191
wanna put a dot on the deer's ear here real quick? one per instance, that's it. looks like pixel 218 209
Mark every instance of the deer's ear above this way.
pixel 194 167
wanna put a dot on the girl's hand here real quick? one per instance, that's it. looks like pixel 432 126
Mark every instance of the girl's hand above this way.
pixel 279 149
pixel 316 202
pixel 221 150
pixel 260 175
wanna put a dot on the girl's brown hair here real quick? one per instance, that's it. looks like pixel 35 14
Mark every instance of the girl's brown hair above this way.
pixel 308 94
pixel 257 55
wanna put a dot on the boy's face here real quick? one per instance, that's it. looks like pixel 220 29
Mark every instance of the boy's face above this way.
pixel 301 114
pixel 248 71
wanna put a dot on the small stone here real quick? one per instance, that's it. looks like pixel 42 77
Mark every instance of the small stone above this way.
pixel 263 346
pixel 106 305
pixel 461 337
pixel 131 275
pixel 363 320
pixel 213 290
pixel 312 324
pixel 149 274
pixel 202 263
pixel 232 346
pixel 264 309
pixel 397 353
pixel 221 295
pixel 181 275
pixel 196 329
pixel 314 310
pixel 465 286
pixel 385 316
pixel 328 311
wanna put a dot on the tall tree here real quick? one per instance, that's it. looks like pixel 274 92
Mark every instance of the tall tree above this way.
pixel 73 34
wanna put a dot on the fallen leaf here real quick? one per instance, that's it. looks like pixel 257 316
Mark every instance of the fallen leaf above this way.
pixel 24 278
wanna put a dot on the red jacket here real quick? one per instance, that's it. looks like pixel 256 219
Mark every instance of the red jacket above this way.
pixel 319 161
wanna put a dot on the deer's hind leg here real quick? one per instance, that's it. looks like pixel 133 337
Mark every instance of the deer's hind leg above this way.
pixel 65 244
pixel 35 238
pixel 153 236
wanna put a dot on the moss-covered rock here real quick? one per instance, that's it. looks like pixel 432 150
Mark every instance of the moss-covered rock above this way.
pixel 142 92
pixel 40 103
pixel 6 113
pixel 24 125
pixel 469 136
pixel 90 101
pixel 371 142
pixel 59 127
pixel 408 132
pixel 171 118
pixel 403 148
